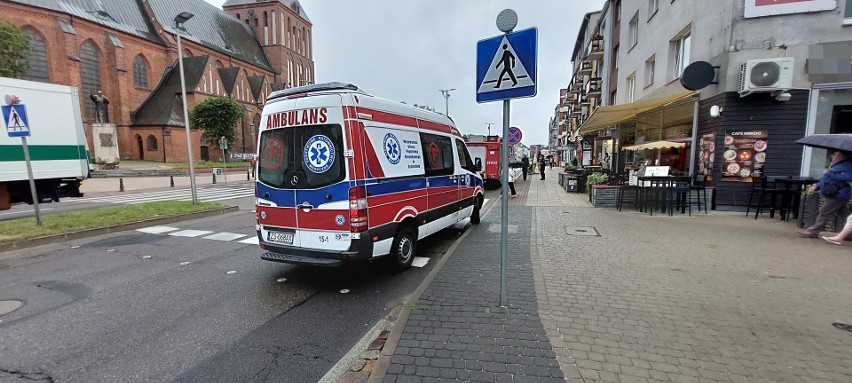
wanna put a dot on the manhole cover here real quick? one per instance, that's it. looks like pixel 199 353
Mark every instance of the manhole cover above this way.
pixel 9 306
pixel 843 326
pixel 586 231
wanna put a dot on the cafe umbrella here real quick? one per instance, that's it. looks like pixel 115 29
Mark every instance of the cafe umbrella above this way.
pixel 842 142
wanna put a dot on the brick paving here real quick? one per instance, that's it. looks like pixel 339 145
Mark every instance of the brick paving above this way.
pixel 707 298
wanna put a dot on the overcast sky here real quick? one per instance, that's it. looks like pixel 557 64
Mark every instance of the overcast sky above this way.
pixel 408 50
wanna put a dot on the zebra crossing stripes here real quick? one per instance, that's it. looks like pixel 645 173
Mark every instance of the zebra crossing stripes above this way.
pixel 204 194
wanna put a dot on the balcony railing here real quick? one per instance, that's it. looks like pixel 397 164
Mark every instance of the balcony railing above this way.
pixel 596 49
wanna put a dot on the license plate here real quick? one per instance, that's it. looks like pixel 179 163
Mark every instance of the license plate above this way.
pixel 279 237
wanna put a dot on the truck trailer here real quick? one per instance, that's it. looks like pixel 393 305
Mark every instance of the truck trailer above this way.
pixel 57 143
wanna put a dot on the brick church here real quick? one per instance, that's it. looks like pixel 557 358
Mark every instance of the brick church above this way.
pixel 127 49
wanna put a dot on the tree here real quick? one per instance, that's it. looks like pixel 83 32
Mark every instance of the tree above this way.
pixel 14 44
pixel 216 116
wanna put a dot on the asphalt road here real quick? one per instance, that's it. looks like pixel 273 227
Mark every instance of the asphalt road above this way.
pixel 128 308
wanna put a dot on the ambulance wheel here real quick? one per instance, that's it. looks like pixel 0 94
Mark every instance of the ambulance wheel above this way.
pixel 404 248
pixel 477 206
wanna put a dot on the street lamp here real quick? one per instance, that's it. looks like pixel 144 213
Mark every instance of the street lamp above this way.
pixel 446 93
pixel 180 19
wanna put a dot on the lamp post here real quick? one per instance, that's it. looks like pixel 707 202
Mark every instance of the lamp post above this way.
pixel 446 93
pixel 179 20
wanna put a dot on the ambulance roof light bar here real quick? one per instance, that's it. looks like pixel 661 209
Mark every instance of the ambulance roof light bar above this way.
pixel 313 88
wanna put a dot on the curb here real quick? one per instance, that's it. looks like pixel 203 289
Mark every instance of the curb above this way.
pixel 27 243
pixel 382 364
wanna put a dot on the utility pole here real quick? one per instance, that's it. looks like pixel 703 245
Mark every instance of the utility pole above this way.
pixel 446 93
pixel 489 127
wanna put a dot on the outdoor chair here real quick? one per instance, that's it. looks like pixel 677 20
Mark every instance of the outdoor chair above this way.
pixel 677 196
pixel 757 198
pixel 699 185
pixel 623 183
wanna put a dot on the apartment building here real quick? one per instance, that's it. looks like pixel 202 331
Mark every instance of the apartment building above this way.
pixel 782 71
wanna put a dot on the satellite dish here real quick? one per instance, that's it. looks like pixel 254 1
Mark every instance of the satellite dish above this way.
pixel 698 75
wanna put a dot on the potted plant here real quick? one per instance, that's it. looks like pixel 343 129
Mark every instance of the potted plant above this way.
pixel 593 179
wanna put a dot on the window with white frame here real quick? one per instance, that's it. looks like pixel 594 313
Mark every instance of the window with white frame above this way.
pixel 615 58
pixel 650 67
pixel 680 48
pixel 631 87
pixel 653 7
pixel 848 14
pixel 633 31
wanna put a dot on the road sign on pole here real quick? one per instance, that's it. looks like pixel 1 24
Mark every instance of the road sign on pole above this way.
pixel 515 136
pixel 506 69
pixel 18 125
pixel 506 66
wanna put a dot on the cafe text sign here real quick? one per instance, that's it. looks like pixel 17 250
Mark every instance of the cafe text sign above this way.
pixel 744 154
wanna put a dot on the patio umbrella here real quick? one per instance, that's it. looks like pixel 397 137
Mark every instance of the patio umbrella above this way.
pixel 842 142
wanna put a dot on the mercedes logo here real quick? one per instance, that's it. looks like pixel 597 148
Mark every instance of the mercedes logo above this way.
pixel 294 181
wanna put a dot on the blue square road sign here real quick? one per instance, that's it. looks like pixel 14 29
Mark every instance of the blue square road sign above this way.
pixel 15 120
pixel 506 66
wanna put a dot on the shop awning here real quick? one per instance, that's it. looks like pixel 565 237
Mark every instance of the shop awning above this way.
pixel 610 115
pixel 654 145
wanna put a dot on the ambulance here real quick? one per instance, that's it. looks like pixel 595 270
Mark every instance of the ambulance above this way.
pixel 346 176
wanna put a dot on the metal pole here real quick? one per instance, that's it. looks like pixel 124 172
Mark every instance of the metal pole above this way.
pixel 447 103
pixel 186 118
pixel 504 216
pixel 32 181
pixel 224 167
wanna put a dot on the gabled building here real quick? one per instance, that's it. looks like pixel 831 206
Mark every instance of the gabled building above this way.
pixel 127 50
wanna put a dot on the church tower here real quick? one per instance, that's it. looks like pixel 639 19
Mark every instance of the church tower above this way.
pixel 284 32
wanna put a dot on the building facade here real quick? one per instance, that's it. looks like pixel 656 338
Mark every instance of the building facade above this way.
pixel 780 72
pixel 127 50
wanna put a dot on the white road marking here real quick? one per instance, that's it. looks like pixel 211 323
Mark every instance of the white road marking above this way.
pixel 486 201
pixel 184 263
pixel 146 257
pixel 231 272
pixel 204 194
pixel 190 233
pixel 251 241
pixel 419 261
pixel 224 236
pixel 157 229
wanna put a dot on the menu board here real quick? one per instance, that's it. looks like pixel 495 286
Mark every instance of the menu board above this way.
pixel 744 155
pixel 707 155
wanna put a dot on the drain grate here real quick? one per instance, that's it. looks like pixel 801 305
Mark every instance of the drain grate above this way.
pixel 585 231
pixel 843 326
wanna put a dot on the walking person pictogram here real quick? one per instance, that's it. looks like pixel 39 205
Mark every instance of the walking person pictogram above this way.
pixel 16 123
pixel 508 62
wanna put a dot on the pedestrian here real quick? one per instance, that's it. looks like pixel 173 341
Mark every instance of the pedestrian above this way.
pixel 514 174
pixel 541 166
pixel 552 161
pixel 526 168
pixel 841 236
pixel 834 187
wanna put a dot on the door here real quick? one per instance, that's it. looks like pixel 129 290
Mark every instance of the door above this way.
pixel 205 153
pixel 442 182
pixel 464 169
pixel 140 146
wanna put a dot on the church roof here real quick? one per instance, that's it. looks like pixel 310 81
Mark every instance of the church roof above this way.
pixel 293 5
pixel 164 106
pixel 211 27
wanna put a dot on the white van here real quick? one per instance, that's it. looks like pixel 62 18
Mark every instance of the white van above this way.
pixel 343 175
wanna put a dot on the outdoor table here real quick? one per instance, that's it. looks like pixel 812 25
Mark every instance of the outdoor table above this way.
pixel 792 186
pixel 656 186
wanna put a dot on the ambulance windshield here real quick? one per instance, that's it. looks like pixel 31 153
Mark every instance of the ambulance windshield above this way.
pixel 303 157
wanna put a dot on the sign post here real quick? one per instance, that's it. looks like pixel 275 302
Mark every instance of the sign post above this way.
pixel 223 144
pixel 505 69
pixel 17 125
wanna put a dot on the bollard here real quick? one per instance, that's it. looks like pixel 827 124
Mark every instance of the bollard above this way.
pixel 214 178
pixel 121 184
pixel 248 175
pixel 172 181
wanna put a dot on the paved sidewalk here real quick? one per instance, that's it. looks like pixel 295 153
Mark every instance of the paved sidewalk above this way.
pixel 626 297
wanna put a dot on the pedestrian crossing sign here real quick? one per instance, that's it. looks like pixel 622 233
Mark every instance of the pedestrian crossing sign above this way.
pixel 15 118
pixel 506 66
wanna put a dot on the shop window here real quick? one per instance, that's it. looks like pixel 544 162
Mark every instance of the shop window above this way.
pixel 151 143
pixel 36 58
pixel 438 152
pixel 140 72
pixel 831 113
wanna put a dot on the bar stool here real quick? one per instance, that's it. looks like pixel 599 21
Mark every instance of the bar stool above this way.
pixel 699 186
pixel 759 187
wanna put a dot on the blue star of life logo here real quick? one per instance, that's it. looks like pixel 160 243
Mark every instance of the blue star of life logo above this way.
pixel 319 154
pixel 393 151
pixel 339 220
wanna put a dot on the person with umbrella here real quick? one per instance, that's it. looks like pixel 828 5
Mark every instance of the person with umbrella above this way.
pixel 834 187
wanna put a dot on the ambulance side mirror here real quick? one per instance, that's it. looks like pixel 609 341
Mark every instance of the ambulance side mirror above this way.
pixel 477 164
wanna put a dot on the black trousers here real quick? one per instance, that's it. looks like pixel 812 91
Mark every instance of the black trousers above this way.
pixel 512 188
pixel 541 169
pixel 525 173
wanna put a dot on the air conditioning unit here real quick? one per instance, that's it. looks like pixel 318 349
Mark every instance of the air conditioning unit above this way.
pixel 766 75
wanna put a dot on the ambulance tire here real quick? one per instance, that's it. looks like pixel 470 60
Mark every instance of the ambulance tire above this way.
pixel 477 206
pixel 404 248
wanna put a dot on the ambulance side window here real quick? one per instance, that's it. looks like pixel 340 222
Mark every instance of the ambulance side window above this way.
pixel 438 154
pixel 464 156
